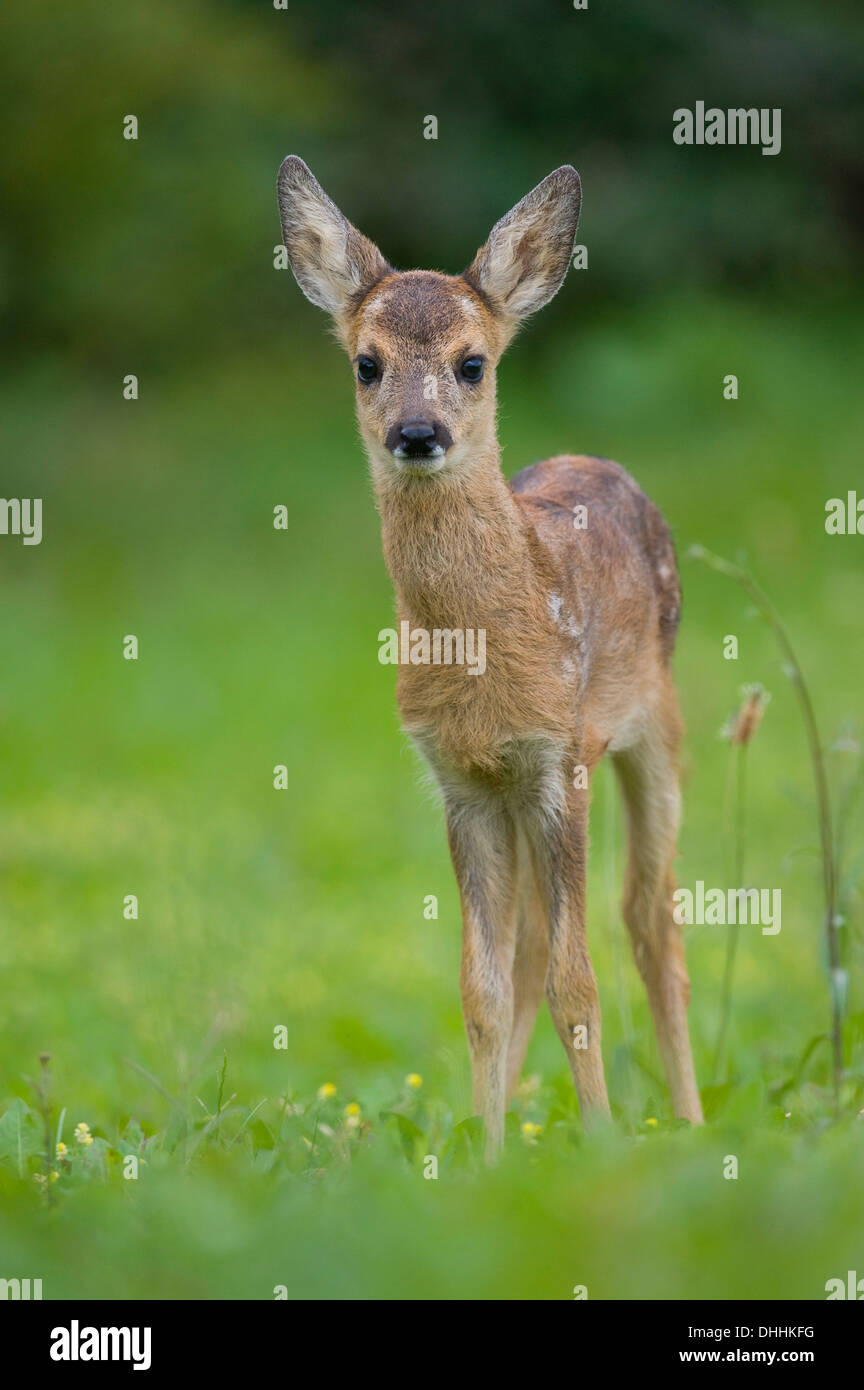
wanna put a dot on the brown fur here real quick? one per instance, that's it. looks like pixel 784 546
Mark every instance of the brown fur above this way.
pixel 580 625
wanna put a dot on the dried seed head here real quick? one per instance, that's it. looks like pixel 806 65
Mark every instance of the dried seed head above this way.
pixel 743 725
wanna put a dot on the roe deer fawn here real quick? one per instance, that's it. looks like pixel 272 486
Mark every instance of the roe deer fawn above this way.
pixel 580 609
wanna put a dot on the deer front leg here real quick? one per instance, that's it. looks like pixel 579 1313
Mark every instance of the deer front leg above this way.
pixel 560 848
pixel 483 849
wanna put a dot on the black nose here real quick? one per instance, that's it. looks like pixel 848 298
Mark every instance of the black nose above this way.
pixel 417 432
pixel 418 438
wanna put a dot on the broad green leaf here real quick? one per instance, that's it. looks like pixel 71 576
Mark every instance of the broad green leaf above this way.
pixel 20 1135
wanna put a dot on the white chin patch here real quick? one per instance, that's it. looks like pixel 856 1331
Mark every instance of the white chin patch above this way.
pixel 420 463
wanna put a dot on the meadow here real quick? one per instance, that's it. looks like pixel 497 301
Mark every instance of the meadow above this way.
pixel 302 1167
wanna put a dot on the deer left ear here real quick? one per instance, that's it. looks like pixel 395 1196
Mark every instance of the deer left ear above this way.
pixel 524 262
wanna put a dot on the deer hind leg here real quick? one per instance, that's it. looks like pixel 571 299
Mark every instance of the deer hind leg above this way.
pixel 529 963
pixel 483 850
pixel 648 775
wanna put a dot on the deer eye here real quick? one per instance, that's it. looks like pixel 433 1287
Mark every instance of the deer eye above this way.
pixel 472 368
pixel 367 370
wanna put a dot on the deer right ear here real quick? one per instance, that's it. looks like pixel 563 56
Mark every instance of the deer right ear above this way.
pixel 333 263
pixel 524 262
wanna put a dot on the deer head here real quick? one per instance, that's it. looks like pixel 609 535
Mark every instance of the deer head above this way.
pixel 425 346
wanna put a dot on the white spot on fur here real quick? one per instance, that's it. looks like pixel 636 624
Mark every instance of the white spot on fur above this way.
pixel 567 624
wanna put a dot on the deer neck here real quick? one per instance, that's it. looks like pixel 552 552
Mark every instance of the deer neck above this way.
pixel 455 545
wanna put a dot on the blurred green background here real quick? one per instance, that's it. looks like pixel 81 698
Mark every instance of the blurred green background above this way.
pixel 258 647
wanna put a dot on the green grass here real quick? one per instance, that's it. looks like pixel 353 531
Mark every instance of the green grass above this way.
pixel 304 908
